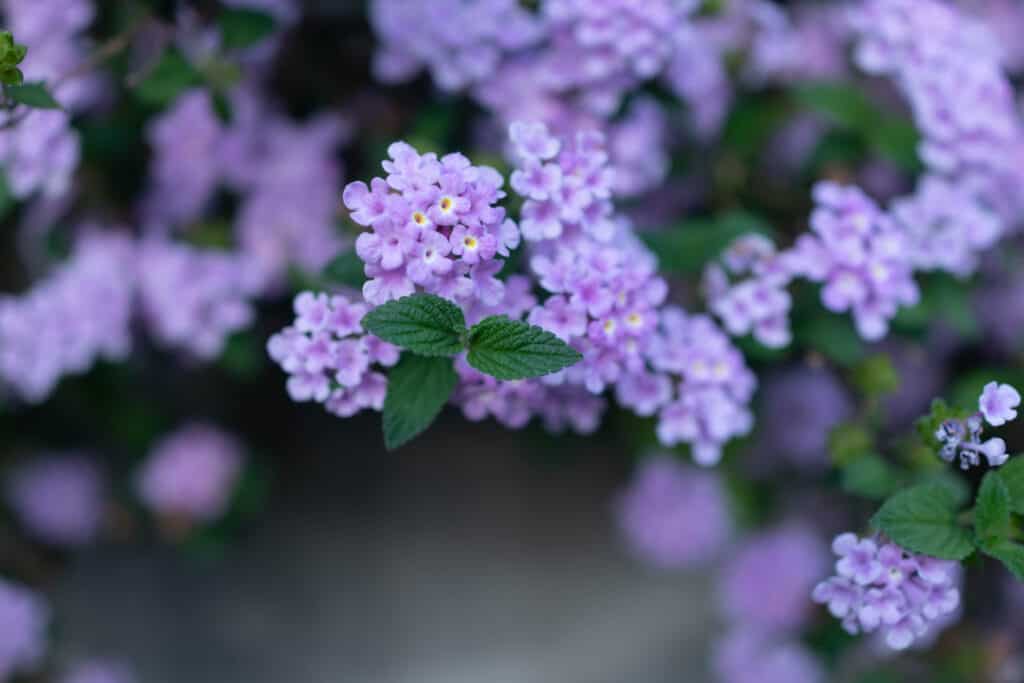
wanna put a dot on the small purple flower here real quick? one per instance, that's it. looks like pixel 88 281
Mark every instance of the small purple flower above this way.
pixel 998 403
pixel 24 619
pixel 858 559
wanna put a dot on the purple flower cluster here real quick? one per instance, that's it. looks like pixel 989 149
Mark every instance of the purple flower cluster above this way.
pixel 58 499
pixel 885 588
pixel 99 671
pixel 24 617
pixel 747 292
pixel 567 185
pixel 191 474
pixel 860 255
pixel 961 439
pixel 328 358
pixel 946 225
pixel 948 65
pixel 433 225
pixel 290 178
pixel 461 42
pixel 193 299
pixel 606 300
pixel 185 166
pixel 80 313
pixel 765 585
pixel 599 49
pixel 750 655
pixel 674 516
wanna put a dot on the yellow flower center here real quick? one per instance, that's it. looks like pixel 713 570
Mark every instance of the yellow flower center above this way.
pixel 634 319
pixel 470 242
pixel 609 326
pixel 447 203
pixel 419 218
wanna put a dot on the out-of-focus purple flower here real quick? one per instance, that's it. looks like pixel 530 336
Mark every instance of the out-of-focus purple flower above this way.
pixel 674 516
pixel 638 146
pixel 998 403
pixel 328 358
pixel 40 152
pixel 186 160
pixel 997 304
pixel 191 473
pixel 752 655
pixel 58 499
pixel 697 75
pixel 24 618
pixel 193 299
pixel 808 44
pixel 859 255
pixel 460 42
pixel 887 589
pixel 441 231
pixel 766 583
pixel 291 204
pixel 599 50
pixel 947 226
pixel 99 671
pixel 799 407
pixel 78 314
pixel 285 11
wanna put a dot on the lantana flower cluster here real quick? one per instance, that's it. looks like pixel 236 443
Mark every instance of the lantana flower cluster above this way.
pixel 881 587
pixel 747 292
pixel 434 226
pixel 961 438
pixel 328 357
pixel 860 256
pixel 58 498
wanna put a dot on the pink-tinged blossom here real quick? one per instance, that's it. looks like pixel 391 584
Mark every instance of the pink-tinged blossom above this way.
pixel 766 583
pixel 752 655
pixel 860 256
pixel 998 403
pixel 460 42
pixel 99 671
pixel 77 315
pixel 882 587
pixel 24 619
pixel 194 299
pixel 328 358
pixel 673 516
pixel 428 210
pixel 191 474
pixel 58 499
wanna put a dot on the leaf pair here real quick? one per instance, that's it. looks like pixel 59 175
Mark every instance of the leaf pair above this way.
pixel 432 330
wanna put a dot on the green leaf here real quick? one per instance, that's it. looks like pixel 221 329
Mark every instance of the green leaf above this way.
pixel 346 269
pixel 686 248
pixel 241 28
pixel 33 95
pixel 1012 474
pixel 870 477
pixel 848 442
pixel 923 519
pixel 422 323
pixel 1010 554
pixel 510 349
pixel 875 376
pixel 418 388
pixel 992 510
pixel 172 76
